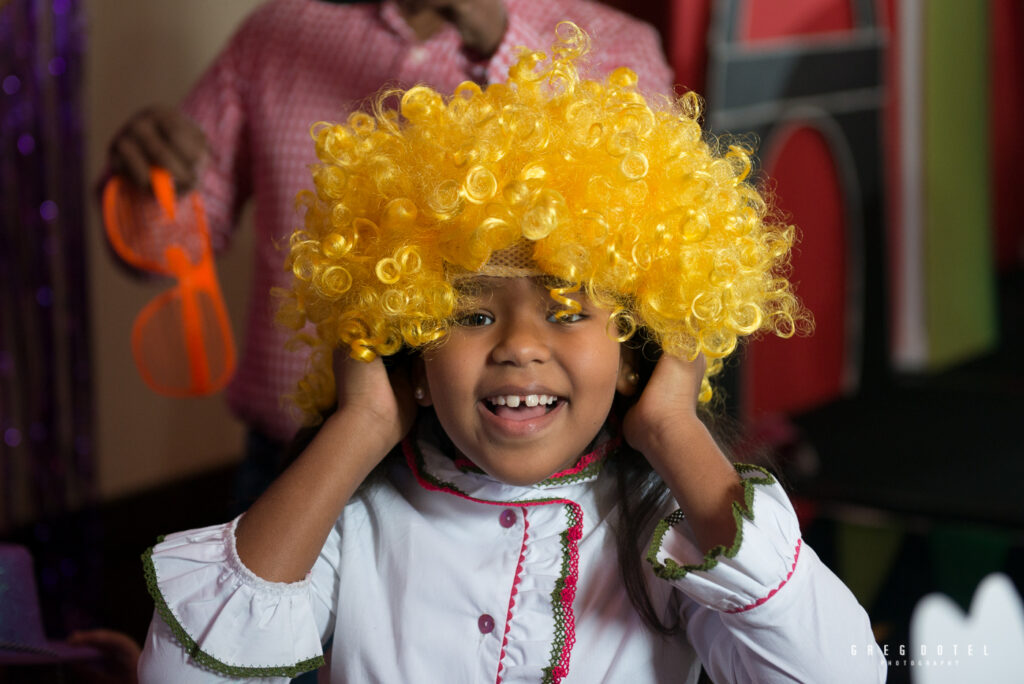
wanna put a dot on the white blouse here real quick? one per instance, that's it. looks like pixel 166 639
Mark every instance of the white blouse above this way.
pixel 442 574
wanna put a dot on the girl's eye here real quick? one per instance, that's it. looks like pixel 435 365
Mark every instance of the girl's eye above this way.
pixel 475 319
pixel 565 317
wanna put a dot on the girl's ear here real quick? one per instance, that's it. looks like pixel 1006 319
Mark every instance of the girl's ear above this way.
pixel 420 388
pixel 628 380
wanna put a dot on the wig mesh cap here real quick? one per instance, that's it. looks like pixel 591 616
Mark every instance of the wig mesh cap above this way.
pixel 515 261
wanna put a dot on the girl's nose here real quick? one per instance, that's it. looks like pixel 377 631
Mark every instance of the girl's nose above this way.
pixel 520 343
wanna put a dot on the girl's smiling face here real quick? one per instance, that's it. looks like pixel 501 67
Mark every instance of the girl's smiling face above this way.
pixel 520 392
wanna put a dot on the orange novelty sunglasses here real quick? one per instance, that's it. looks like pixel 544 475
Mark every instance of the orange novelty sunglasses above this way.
pixel 181 340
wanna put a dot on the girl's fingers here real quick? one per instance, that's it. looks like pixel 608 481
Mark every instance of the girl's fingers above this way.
pixel 675 382
pixel 362 382
pixel 353 377
pixel 681 370
pixel 368 387
pixel 669 400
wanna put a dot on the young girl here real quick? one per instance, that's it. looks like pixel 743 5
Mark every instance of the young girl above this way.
pixel 531 250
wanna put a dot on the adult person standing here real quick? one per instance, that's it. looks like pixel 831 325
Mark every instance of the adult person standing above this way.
pixel 243 133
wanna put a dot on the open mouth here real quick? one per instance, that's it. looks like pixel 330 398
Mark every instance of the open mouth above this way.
pixel 522 407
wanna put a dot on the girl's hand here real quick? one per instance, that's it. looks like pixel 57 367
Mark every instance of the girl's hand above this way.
pixel 668 404
pixel 371 396
pixel 280 537
pixel 664 427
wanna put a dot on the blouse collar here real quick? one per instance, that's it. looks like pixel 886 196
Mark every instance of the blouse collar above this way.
pixel 435 470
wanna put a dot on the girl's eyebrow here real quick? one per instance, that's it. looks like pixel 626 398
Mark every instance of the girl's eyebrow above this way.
pixel 472 286
pixel 551 282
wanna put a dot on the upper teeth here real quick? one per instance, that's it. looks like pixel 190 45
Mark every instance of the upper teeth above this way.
pixel 513 400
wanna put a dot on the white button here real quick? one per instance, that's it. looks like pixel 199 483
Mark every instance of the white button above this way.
pixel 417 55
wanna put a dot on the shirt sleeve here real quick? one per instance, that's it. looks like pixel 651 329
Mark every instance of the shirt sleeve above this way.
pixel 639 48
pixel 218 104
pixel 766 609
pixel 215 620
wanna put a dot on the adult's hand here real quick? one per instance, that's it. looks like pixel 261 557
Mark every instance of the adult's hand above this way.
pixel 158 136
pixel 481 23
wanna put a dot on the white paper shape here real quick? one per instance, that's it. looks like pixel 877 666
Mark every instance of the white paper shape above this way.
pixel 985 646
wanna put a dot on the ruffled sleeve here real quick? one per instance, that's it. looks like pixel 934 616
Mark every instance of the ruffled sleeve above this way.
pixel 765 608
pixel 759 561
pixel 226 619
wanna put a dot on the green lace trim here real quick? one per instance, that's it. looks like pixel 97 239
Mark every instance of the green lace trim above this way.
pixel 205 659
pixel 562 605
pixel 598 458
pixel 670 569
pixel 427 476
pixel 469 467
pixel 592 469
pixel 421 472
pixel 565 586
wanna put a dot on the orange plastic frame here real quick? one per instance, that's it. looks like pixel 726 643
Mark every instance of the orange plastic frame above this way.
pixel 192 280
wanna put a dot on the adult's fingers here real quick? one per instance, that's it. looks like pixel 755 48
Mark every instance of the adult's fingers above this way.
pixel 182 134
pixel 481 23
pixel 128 159
pixel 161 137
pixel 160 151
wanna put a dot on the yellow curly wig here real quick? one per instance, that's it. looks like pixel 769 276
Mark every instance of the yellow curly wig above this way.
pixel 611 194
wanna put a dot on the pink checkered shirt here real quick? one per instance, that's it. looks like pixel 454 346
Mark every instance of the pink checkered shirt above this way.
pixel 295 62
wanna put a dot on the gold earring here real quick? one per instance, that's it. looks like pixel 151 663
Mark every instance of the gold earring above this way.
pixel 632 377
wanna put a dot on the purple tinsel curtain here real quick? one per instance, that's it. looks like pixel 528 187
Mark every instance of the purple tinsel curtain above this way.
pixel 46 464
